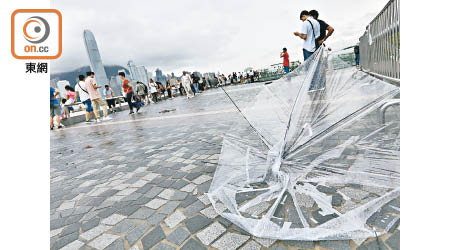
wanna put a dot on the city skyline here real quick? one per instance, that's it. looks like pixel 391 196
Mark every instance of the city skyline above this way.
pixel 203 35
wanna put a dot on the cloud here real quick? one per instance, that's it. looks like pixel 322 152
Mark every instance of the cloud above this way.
pixel 200 35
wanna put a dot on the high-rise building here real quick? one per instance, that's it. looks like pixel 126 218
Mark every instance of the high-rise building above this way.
pixel 159 75
pixel 138 73
pixel 94 58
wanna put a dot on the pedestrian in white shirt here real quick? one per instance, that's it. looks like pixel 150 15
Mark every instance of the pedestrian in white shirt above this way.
pixel 309 32
pixel 81 91
pixel 186 81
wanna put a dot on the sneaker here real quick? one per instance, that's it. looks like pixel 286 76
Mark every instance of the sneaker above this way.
pixel 89 121
pixel 106 118
pixel 98 120
pixel 60 126
pixel 131 113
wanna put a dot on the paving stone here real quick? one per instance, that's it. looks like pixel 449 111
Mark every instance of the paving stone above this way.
pixel 142 213
pixel 167 194
pixel 209 234
pixel 336 200
pixel 156 203
pixel 178 236
pixel 179 196
pixel 75 245
pixel 204 199
pixel 192 176
pixel 278 247
pixel 335 244
pixel 103 241
pixel 194 208
pixel 376 244
pixel 188 201
pixel 189 188
pixel 178 175
pixel 124 226
pixel 94 232
pixel 252 245
pixel 230 241
pixel 169 207
pixel 71 229
pixel 116 245
pixel 304 200
pixel 197 223
pixel 209 212
pixel 166 183
pixel 353 193
pixel 63 241
pixel 154 192
pixel 264 242
pixel 129 210
pixel 106 212
pixel 155 219
pixel 240 230
pixel 174 219
pixel 164 246
pixel 201 179
pixel 325 189
pixel 297 243
pixel 90 224
pixel 192 244
pixel 394 241
pixel 179 184
pixel 348 206
pixel 224 222
pixel 113 219
pixel 153 238
pixel 136 233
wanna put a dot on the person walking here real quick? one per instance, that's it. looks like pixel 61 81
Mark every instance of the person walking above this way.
pixel 195 81
pixel 325 29
pixel 109 96
pixel 96 98
pixel 356 50
pixel 169 89
pixel 309 33
pixel 140 90
pixel 81 91
pixel 154 90
pixel 285 56
pixel 186 81
pixel 55 110
pixel 128 91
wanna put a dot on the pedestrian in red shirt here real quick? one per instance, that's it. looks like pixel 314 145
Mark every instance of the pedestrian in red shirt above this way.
pixel 128 90
pixel 285 56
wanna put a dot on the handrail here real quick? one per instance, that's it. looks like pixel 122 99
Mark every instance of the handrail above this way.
pixel 380 44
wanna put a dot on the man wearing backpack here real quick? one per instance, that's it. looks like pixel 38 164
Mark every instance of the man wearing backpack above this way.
pixel 309 33
pixel 81 91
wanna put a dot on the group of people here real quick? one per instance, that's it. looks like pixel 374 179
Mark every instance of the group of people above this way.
pixel 87 90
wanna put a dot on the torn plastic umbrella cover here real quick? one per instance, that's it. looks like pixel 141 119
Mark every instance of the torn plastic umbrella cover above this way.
pixel 323 166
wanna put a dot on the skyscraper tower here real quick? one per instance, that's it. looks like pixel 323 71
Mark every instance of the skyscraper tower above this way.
pixel 94 58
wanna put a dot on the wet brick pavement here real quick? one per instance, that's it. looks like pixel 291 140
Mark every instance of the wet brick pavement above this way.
pixel 139 182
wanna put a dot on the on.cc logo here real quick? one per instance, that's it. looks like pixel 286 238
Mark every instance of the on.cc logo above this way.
pixel 36 29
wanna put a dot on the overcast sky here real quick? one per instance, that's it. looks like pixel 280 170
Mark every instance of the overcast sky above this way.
pixel 203 35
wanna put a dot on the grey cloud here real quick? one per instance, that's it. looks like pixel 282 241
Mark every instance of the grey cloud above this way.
pixel 199 34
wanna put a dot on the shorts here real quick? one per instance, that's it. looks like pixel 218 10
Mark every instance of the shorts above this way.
pixel 88 104
pixel 55 110
pixel 111 102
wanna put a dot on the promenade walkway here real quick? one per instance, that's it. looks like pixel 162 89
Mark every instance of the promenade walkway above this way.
pixel 139 182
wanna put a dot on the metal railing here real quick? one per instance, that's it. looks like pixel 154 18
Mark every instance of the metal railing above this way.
pixel 380 44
